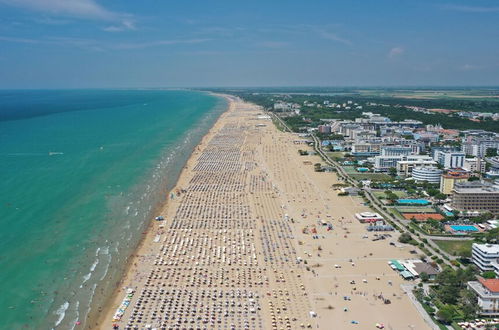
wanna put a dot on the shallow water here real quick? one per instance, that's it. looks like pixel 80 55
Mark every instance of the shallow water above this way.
pixel 81 172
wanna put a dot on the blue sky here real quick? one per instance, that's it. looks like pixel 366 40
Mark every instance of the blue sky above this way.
pixel 164 43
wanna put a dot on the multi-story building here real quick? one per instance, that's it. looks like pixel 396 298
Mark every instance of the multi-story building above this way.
pixel 428 174
pixel 476 197
pixel 405 167
pixel 450 159
pixel 449 179
pixel 427 137
pixel 415 146
pixel 383 163
pixel 395 151
pixel 366 149
pixel 487 291
pixel 349 128
pixel 485 256
pixel 474 165
pixel 363 135
pixel 325 129
pixel 476 142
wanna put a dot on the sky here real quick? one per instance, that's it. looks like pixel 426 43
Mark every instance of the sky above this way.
pixel 166 43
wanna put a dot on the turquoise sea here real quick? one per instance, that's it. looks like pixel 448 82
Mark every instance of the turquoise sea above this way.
pixel 81 174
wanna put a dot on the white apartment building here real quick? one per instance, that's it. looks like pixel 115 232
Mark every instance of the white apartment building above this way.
pixel 474 165
pixel 429 174
pixel 405 167
pixel 383 163
pixel 487 291
pixel 485 256
pixel 450 159
pixel 395 151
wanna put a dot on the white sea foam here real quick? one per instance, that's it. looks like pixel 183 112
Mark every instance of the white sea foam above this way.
pixel 85 279
pixel 106 268
pixel 92 295
pixel 61 312
pixel 105 250
pixel 96 262
pixel 77 311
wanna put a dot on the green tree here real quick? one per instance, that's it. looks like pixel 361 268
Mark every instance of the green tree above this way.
pixel 492 236
pixel 464 253
pixel 405 238
pixel 440 196
pixel 392 171
pixel 491 152
pixel 424 277
pixel 490 274
pixel 468 304
pixel 390 195
pixel 446 314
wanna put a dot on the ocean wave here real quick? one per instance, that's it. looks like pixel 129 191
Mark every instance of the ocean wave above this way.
pixel 96 262
pixel 106 268
pixel 61 312
pixel 77 317
pixel 92 293
pixel 105 250
pixel 85 279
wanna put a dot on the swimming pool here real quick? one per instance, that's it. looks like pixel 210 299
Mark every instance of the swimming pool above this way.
pixel 448 214
pixel 413 201
pixel 463 228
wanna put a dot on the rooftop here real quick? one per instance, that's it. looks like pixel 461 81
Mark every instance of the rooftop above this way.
pixel 491 284
pixel 476 188
pixel 487 248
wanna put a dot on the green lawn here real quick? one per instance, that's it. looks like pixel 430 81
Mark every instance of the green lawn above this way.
pixel 371 176
pixel 455 246
pixel 350 169
pixel 335 154
pixel 399 193
pixel 365 176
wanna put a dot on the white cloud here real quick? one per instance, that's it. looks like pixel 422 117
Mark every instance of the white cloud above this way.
pixel 125 25
pixel 139 45
pixel 83 9
pixel 20 40
pixel 333 36
pixel 99 46
pixel 396 52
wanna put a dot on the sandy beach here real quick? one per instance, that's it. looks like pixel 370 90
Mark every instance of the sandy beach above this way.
pixel 242 246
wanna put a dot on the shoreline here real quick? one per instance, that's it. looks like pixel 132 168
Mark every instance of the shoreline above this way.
pixel 246 245
pixel 97 318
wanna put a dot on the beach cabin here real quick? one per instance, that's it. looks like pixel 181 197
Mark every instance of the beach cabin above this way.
pixel 394 264
pixel 368 217
pixel 407 275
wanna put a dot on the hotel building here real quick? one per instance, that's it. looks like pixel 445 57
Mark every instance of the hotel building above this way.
pixel 475 196
pixel 487 291
pixel 485 256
